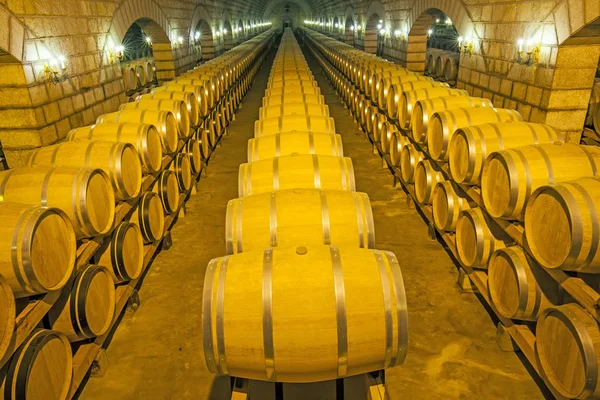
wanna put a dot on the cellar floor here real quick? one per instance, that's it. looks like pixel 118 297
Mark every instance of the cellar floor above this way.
pixel 156 352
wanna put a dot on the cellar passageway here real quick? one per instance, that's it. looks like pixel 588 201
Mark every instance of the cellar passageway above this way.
pixel 156 352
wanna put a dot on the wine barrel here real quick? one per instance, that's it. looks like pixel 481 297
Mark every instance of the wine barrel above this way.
pixel 312 90
pixel 291 75
pixel 395 93
pixel 183 168
pixel 8 313
pixel 470 146
pixel 444 124
pixel 191 102
pixel 28 264
pixel 202 136
pixel 384 86
pixel 332 217
pixel 150 70
pixel 211 91
pixel 410 156
pixel 561 225
pixel 408 100
pixel 124 255
pixel 451 65
pixel 424 110
pixel 288 109
pixel 144 137
pixel 387 132
pixel 167 188
pixel 288 143
pixel 426 178
pixel 354 293
pixel 294 123
pixel 292 82
pixel 296 171
pixel 199 92
pixel 378 122
pixel 194 152
pixel 87 308
pixel 130 78
pixel 84 194
pixel 149 215
pixel 397 142
pixel 447 204
pixel 510 176
pixel 120 161
pixel 567 350
pixel 177 107
pixel 292 98
pixel 164 121
pixel 140 71
pixel 42 368
pixel 477 237
pixel 513 284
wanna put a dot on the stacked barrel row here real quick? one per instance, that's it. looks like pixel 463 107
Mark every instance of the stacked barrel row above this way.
pixel 478 168
pixel 442 64
pixel 139 73
pixel 302 295
pixel 145 158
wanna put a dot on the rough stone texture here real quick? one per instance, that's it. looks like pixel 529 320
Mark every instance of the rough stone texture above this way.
pixel 157 353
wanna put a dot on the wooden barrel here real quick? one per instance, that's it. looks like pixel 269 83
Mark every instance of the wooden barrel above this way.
pixel 384 85
pixel 8 313
pixel 130 78
pixel 395 93
pixel 513 284
pixel 397 142
pixel 288 109
pixel 567 350
pixel 431 61
pixel 447 204
pixel 426 178
pixel 199 92
pixel 311 90
pixel 332 217
pixel 288 143
pixel 42 368
pixel 183 168
pixel 164 121
pixel 191 102
pixel 451 65
pixel 210 90
pixel 84 194
pixel 291 75
pixel 424 110
pixel 149 215
pixel 378 121
pixel 150 70
pixel 292 98
pixel 194 152
pixel 177 107
pixel 408 100
pixel 510 176
pixel 477 237
pixel 387 132
pixel 292 82
pixel 167 188
pixel 410 156
pixel 202 136
pixel 296 171
pixel 561 225
pixel 124 256
pixel 140 71
pixel 28 264
pixel 119 160
pixel 87 309
pixel 357 306
pixel 470 146
pixel 444 124
pixel 294 123
pixel 144 137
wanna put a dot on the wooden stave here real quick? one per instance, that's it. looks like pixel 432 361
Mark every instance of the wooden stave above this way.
pixel 275 232
pixel 105 155
pixel 177 107
pixel 286 109
pixel 485 139
pixel 113 256
pixel 426 178
pixel 208 90
pixel 165 187
pixel 397 142
pixel 8 313
pixel 378 122
pixel 395 92
pixel 447 204
pixel 138 135
pixel 444 124
pixel 188 98
pixel 151 225
pixel 385 86
pixel 583 161
pixel 307 166
pixel 195 153
pixel 68 315
pixel 487 241
pixel 277 145
pixel 292 123
pixel 408 99
pixel 388 130
pixel 183 168
pixel 130 78
pixel 199 92
pixel 410 156
pixel 216 272
pixel 204 142
pixel 51 196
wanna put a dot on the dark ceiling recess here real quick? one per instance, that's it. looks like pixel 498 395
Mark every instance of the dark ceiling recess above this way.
pixel 135 44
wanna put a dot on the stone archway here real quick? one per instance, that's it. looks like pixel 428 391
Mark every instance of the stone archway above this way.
pixel 228 42
pixel 416 48
pixel 372 33
pixel 349 30
pixel 203 40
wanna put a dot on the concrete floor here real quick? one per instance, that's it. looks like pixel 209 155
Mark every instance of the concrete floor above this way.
pixel 156 353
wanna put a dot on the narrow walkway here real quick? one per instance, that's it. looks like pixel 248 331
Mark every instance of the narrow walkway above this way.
pixel 157 352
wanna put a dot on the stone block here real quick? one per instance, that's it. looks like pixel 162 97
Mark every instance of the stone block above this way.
pixel 544 77
pixel 506 87
pixel 534 95
pixel 88 117
pixel 566 120
pixel 524 110
pixel 578 57
pixel 495 84
pixel 569 99
pixel 20 139
pixel 519 91
pixel 48 135
pixel 62 128
pixel 14 97
pixel 78 102
pixel 498 101
pixel 12 74
pixel 565 78
pixel 66 107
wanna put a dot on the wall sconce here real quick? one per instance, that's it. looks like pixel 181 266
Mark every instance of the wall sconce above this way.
pixel 401 34
pixel 116 54
pixel 448 21
pixel 149 41
pixel 223 31
pixel 178 42
pixel 437 20
pixel 197 37
pixel 52 72
pixel 379 26
pixel 382 32
pixel 468 45
pixel 533 52
pixel 429 33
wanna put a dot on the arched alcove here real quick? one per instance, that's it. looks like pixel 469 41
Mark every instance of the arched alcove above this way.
pixel 228 42
pixel 349 31
pixel 203 41
pixel 374 22
pixel 240 32
pixel 136 43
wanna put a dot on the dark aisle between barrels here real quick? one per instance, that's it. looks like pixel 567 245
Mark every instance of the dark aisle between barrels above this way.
pixel 156 352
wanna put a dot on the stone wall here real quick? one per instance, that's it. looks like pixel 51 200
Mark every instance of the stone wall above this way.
pixel 555 90
pixel 36 113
